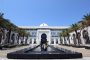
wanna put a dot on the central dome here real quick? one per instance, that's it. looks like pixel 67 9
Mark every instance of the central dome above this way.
pixel 43 24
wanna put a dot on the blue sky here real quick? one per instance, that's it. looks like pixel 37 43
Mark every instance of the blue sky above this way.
pixel 52 12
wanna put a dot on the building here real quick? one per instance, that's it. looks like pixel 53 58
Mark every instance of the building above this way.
pixel 52 33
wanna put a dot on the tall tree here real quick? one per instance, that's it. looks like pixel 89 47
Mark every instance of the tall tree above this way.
pixel 87 19
pixel 63 34
pixel 75 27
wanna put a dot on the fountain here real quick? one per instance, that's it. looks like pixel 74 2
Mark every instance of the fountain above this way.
pixel 44 51
pixel 50 52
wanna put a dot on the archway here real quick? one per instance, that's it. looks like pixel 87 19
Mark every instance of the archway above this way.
pixel 86 37
pixel 43 38
pixel 43 42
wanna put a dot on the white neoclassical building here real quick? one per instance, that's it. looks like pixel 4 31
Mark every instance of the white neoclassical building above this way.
pixel 52 33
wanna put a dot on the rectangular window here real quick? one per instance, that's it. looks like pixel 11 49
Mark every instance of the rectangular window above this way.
pixel 34 34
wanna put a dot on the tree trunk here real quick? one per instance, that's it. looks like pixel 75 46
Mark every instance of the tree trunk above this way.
pixel 23 39
pixel 64 41
pixel 0 37
pixel 61 41
pixel 76 36
pixel 26 40
pixel 9 35
pixel 18 39
pixel 69 40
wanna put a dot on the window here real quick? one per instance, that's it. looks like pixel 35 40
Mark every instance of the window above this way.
pixel 55 34
pixel 33 34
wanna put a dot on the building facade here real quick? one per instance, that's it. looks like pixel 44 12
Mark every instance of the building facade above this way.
pixel 52 33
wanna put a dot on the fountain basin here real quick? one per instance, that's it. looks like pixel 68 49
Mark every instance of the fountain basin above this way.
pixel 37 53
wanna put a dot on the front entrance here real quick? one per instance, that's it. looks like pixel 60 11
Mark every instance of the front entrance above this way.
pixel 43 38
pixel 43 42
pixel 43 35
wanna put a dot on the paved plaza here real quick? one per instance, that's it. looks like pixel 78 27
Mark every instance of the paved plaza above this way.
pixel 3 53
pixel 85 52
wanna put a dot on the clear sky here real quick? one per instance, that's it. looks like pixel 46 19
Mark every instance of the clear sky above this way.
pixel 52 12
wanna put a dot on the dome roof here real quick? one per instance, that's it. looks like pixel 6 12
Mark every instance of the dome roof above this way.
pixel 43 24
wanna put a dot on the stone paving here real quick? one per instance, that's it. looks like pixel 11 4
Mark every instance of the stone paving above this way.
pixel 85 52
pixel 3 53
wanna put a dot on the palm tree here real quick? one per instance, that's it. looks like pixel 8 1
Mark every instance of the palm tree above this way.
pixel 82 25
pixel 67 34
pixel 27 36
pixel 87 21
pixel 63 34
pixel 2 21
pixel 22 34
pixel 10 29
pixel 61 40
pixel 18 35
pixel 75 27
pixel 5 23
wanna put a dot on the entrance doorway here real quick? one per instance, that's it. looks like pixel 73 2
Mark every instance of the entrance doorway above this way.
pixel 43 42
pixel 43 38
